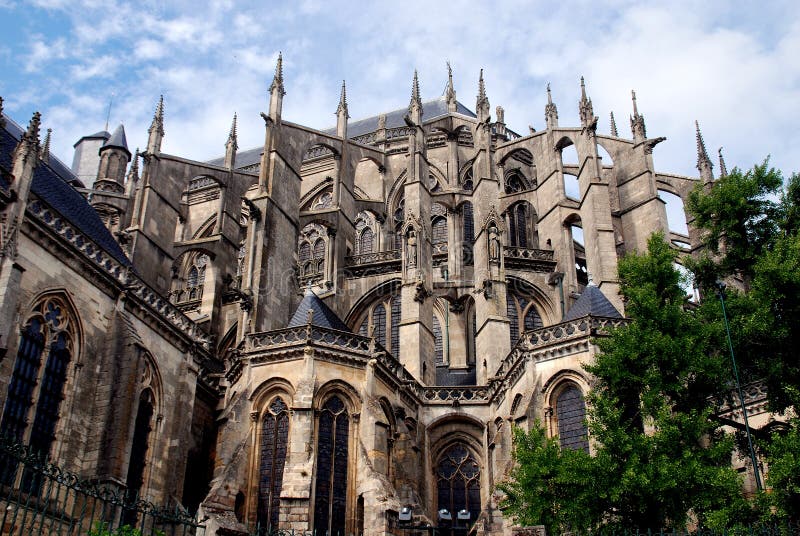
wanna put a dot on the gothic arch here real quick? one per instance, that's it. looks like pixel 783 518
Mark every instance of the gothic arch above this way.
pixel 307 200
pixel 377 292
pixel 205 228
pixel 565 409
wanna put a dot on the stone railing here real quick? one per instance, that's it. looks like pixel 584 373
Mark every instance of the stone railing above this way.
pixel 399 132
pixel 755 399
pixel 379 262
pixel 586 326
pixel 202 182
pixel 454 395
pixel 366 139
pixel 529 258
pixel 316 152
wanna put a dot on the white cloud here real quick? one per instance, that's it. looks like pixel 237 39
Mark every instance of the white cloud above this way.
pixel 102 67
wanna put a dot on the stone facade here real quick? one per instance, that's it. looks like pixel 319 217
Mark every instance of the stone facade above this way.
pixel 330 327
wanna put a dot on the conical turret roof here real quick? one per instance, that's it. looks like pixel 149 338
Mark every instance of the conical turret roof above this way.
pixel 592 302
pixel 323 316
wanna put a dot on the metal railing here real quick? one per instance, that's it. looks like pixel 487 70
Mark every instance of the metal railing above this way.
pixel 38 497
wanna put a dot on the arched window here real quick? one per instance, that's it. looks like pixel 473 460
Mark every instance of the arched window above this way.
pixel 330 490
pixel 375 322
pixel 365 241
pixel 458 482
pixel 467 180
pixel 519 306
pixel 323 201
pixel 570 411
pixel 515 182
pixel 438 346
pixel 366 227
pixel 191 290
pixel 139 446
pixel 311 249
pixel 274 440
pixel 48 338
pixel 469 233
pixel 438 228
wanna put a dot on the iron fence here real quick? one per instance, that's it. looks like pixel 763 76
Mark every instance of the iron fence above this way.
pixel 37 497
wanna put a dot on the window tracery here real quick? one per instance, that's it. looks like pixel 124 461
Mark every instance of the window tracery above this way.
pixel 274 439
pixel 49 339
pixel 330 490
pixel 458 481
pixel 366 233
pixel 522 314
pixel 570 414
pixel 469 233
pixel 377 323
pixel 311 252
pixel 189 291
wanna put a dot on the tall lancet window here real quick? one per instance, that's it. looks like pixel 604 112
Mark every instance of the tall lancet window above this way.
pixel 139 447
pixel 48 339
pixel 571 418
pixel 311 251
pixel 469 233
pixel 274 437
pixel 330 491
pixel 458 481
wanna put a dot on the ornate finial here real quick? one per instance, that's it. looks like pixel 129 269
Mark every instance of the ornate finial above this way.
pixel 416 101
pixel 585 107
pixel 277 80
pixel 343 101
pixel 44 154
pixel 637 122
pixel 482 104
pixel 32 134
pixel 613 126
pixel 481 88
pixel 450 92
pixel 704 165
pixel 233 138
pixel 2 117
pixel 158 117
pixel 382 122
pixel 133 174
pixel 723 169
pixel 501 114
pixel 550 110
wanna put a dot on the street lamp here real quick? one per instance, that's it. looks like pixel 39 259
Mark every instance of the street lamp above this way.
pixel 721 293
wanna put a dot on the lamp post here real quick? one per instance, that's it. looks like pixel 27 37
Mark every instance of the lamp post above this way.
pixel 721 293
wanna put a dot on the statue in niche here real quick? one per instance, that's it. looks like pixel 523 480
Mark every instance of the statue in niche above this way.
pixel 411 248
pixel 494 243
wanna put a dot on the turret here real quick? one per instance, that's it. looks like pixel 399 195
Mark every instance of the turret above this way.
pixel 450 92
pixel 276 91
pixel 415 106
pixel 341 114
pixel 114 157
pixel 704 165
pixel 156 130
pixel 637 123
pixel 550 111
pixel 231 146
pixel 482 103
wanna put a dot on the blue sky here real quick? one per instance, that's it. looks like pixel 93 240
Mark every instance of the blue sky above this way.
pixel 731 65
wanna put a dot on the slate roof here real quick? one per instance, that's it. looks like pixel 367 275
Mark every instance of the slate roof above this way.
pixel 592 302
pixel 323 316
pixel 117 140
pixel 53 183
pixel 430 110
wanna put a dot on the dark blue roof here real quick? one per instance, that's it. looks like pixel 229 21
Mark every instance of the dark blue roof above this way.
pixel 323 316
pixel 53 184
pixel 592 302
pixel 430 110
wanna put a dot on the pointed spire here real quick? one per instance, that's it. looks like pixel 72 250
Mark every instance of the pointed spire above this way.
pixel 32 134
pixel 613 126
pixel 585 107
pixel 2 117
pixel 723 169
pixel 450 92
pixel 415 106
pixel 133 173
pixel 704 165
pixel 44 154
pixel 277 80
pixel 550 110
pixel 158 117
pixel 482 104
pixel 231 145
pixel 232 135
pixel 28 145
pixel 343 101
pixel 637 122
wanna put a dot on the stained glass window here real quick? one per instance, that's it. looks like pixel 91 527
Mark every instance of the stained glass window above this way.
pixel 514 183
pixel 274 438
pixel 532 319
pixel 522 238
pixel 469 232
pixel 458 482
pixel 513 317
pixel 396 325
pixel 365 241
pixel 439 231
pixel 438 347
pixel 138 459
pixel 23 381
pixel 379 323
pixel 330 497
pixel 571 417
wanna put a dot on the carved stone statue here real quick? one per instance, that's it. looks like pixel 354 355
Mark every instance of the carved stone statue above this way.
pixel 411 248
pixel 494 243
